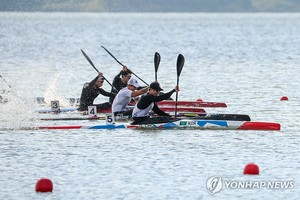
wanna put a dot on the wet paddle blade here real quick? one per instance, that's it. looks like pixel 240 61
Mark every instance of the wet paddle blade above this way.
pixel 122 64
pixel 112 56
pixel 180 63
pixel 156 61
pixel 89 60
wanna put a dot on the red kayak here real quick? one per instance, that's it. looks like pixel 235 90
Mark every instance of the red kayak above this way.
pixel 196 103
pixel 192 103
pixel 108 110
pixel 183 109
pixel 166 109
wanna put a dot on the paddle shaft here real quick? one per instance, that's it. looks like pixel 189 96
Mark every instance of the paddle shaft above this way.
pixel 123 65
pixel 90 61
pixel 180 63
pixel 176 99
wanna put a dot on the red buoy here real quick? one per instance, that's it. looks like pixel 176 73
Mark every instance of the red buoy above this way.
pixel 284 98
pixel 251 169
pixel 199 100
pixel 44 185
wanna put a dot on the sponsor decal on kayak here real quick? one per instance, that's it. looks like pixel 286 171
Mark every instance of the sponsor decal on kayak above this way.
pixel 188 123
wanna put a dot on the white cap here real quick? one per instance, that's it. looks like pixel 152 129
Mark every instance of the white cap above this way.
pixel 133 82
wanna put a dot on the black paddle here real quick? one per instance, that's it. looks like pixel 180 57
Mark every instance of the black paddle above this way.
pixel 156 63
pixel 90 61
pixel 123 65
pixel 180 63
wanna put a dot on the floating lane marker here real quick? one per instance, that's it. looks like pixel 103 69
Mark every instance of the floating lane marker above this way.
pixel 284 98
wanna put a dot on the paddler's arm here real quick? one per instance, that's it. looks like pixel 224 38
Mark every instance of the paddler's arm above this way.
pixel 166 95
pixel 117 77
pixel 96 78
pixel 105 93
pixel 159 111
pixel 139 92
pixel 117 80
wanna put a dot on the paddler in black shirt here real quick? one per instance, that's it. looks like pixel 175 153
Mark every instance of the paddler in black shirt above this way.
pixel 120 81
pixel 90 91
pixel 140 113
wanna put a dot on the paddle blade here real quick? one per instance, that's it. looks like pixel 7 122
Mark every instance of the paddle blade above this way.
pixel 180 63
pixel 112 56
pixel 89 60
pixel 156 61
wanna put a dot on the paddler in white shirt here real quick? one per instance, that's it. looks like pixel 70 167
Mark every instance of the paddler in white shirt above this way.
pixel 141 111
pixel 124 97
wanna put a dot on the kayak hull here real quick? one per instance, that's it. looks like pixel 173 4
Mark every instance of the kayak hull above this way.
pixel 180 124
pixel 197 103
pixel 209 116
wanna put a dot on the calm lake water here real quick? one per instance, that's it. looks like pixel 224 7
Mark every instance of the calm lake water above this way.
pixel 248 61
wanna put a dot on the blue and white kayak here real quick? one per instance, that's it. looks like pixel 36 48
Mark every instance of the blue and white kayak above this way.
pixel 207 116
pixel 49 110
pixel 180 124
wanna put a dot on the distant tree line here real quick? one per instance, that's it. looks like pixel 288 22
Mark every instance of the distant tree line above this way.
pixel 151 5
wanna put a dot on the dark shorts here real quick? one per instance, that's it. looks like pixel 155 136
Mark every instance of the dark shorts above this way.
pixel 103 105
pixel 124 113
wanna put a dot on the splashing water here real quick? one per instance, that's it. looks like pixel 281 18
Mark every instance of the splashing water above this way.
pixel 17 110
pixel 52 93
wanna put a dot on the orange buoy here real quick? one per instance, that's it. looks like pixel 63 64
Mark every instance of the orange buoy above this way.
pixel 44 185
pixel 251 169
pixel 284 98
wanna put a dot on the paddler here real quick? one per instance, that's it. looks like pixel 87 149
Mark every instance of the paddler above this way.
pixel 90 91
pixel 120 81
pixel 124 97
pixel 141 111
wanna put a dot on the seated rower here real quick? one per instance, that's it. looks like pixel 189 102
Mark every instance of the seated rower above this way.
pixel 124 96
pixel 140 114
pixel 120 81
pixel 90 91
